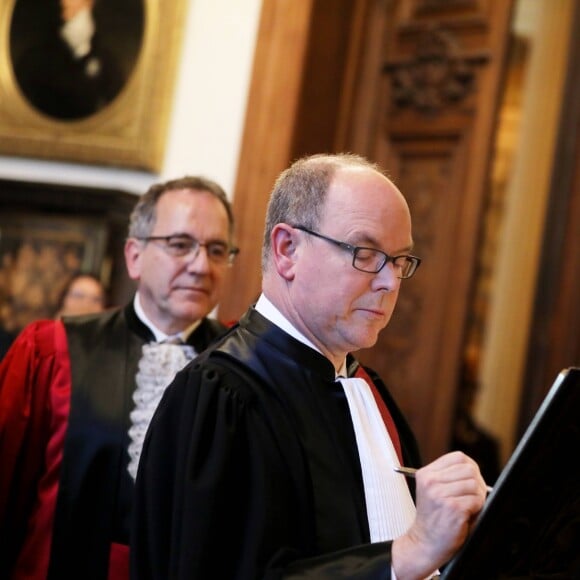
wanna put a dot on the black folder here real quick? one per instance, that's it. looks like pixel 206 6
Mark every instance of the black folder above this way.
pixel 530 524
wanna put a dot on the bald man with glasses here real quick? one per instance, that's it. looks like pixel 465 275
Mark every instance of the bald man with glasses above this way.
pixel 275 454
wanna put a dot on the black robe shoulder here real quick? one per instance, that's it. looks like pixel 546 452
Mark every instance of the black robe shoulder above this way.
pixel 250 469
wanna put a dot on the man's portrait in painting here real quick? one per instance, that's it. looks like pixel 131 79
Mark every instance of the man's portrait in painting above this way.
pixel 72 58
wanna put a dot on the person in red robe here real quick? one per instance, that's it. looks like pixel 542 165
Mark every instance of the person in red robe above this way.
pixel 77 393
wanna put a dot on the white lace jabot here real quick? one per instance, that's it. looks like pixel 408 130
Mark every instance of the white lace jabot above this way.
pixel 158 366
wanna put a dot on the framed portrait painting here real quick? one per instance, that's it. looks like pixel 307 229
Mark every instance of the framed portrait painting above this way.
pixel 88 80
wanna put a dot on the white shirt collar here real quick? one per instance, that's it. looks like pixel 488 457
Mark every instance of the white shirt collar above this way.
pixel 159 335
pixel 269 311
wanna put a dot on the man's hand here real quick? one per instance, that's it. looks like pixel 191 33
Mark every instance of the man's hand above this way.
pixel 450 494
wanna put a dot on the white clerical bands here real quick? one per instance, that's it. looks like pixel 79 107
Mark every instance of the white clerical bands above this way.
pixel 390 507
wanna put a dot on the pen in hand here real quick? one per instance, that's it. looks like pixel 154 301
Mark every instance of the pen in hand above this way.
pixel 410 472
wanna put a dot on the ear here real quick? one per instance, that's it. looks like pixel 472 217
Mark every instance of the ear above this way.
pixel 284 250
pixel 133 257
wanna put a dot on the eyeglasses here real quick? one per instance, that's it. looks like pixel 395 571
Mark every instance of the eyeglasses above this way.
pixel 371 260
pixel 180 246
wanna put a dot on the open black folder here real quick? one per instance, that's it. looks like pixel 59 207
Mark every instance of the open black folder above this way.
pixel 530 524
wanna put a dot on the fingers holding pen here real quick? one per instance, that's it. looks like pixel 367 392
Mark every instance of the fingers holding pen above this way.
pixel 454 475
pixel 450 492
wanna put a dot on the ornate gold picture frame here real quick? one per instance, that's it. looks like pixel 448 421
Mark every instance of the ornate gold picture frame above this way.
pixel 127 127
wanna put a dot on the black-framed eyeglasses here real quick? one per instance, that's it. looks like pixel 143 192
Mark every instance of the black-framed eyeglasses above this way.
pixel 182 245
pixel 372 260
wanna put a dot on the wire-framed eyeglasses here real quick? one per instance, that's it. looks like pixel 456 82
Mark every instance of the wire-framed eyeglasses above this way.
pixel 372 260
pixel 180 246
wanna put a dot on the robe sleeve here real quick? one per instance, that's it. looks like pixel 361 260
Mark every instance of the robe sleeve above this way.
pixel 220 492
pixel 34 367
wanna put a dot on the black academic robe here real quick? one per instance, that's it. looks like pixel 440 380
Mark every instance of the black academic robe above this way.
pixel 250 468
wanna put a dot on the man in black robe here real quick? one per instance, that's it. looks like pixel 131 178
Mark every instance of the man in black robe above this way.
pixel 262 461
pixel 77 393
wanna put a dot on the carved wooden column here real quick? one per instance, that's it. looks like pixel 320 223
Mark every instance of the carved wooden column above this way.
pixel 441 73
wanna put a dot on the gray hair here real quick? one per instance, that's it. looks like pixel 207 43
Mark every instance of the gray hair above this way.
pixel 144 214
pixel 300 192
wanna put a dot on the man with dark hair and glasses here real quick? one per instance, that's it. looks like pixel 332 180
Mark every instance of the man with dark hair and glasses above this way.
pixel 77 394
pixel 275 454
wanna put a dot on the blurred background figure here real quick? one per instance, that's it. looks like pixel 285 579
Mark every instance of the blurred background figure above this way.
pixel 83 294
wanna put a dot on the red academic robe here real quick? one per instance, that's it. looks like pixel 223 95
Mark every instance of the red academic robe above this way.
pixel 33 423
pixel 65 397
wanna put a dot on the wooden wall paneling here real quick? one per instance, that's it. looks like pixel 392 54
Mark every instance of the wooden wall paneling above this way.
pixel 411 348
pixel 443 65
pixel 266 146
pixel 359 90
pixel 324 70
pixel 361 107
pixel 295 107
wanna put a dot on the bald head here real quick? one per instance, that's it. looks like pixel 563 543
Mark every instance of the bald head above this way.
pixel 300 191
